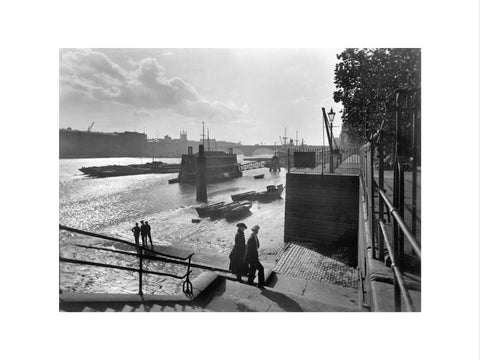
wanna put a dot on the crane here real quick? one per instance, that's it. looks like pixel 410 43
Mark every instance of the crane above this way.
pixel 91 125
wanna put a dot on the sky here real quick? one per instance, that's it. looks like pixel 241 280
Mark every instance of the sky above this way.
pixel 246 95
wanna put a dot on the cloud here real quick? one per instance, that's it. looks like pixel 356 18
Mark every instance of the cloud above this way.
pixel 141 113
pixel 300 100
pixel 144 86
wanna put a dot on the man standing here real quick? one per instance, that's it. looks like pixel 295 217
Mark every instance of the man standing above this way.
pixel 251 258
pixel 143 231
pixel 148 230
pixel 237 255
pixel 136 233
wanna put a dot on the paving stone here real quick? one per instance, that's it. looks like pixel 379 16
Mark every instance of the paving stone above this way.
pixel 297 260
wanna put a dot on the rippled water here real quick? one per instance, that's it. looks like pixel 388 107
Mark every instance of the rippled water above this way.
pixel 111 206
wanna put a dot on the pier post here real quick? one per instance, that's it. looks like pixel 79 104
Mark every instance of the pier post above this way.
pixel 201 174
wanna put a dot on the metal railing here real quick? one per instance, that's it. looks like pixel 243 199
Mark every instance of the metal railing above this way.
pixel 142 253
pixel 252 165
pixel 374 194
pixel 320 160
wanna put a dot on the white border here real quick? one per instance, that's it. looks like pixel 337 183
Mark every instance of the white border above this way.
pixel 447 32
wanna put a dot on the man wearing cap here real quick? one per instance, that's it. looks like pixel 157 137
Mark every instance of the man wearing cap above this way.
pixel 143 232
pixel 237 255
pixel 136 233
pixel 251 258
pixel 148 233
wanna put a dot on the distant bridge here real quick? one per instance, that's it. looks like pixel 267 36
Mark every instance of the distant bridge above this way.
pixel 253 150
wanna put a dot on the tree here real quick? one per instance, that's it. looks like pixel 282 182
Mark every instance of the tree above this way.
pixel 367 80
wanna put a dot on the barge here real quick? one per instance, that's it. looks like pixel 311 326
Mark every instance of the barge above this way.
pixel 220 166
pixel 154 167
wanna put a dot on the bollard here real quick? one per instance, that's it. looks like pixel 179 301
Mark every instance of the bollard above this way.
pixel 201 175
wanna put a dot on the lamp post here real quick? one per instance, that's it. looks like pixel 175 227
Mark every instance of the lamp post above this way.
pixel 331 116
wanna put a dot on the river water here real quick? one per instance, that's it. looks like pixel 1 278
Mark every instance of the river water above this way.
pixel 111 206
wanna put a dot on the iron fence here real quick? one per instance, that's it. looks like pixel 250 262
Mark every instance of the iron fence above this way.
pixel 321 160
pixel 379 237
pixel 142 253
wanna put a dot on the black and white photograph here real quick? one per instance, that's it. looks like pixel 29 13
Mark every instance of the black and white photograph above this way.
pixel 231 180
pixel 240 179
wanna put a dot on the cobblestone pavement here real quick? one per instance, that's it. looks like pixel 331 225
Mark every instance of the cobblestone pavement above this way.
pixel 299 260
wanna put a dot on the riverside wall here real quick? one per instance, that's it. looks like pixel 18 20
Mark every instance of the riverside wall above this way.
pixel 322 209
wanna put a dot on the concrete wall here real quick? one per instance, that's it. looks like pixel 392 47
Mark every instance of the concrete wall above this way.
pixel 322 209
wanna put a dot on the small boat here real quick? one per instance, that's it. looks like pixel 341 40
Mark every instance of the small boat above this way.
pixel 249 195
pixel 219 210
pixel 196 221
pixel 261 176
pixel 238 211
pixel 204 210
pixel 174 181
pixel 273 192
pixel 229 210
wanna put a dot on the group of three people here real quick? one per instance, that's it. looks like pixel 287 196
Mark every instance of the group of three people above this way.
pixel 145 231
pixel 244 257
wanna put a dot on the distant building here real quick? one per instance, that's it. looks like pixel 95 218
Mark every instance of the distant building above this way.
pixel 77 143
pixel 183 136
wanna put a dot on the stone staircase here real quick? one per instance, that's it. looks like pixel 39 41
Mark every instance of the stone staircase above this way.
pixel 281 294
pixel 222 293
pixel 129 307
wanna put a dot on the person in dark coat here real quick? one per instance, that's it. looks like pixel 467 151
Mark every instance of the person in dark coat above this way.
pixel 251 258
pixel 136 233
pixel 143 232
pixel 148 231
pixel 237 255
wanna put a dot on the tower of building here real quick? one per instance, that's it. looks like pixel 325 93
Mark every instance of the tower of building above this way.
pixel 183 136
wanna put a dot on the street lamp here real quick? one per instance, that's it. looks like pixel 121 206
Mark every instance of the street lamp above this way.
pixel 331 116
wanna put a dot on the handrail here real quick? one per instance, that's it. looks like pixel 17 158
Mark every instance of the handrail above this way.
pixel 147 257
pixel 187 285
pixel 83 232
pixel 93 263
pixel 394 212
pixel 395 249
pixel 396 271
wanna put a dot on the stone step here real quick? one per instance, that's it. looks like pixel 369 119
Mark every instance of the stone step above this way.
pixel 141 307
pixel 323 292
pixel 78 302
pixel 267 274
pixel 232 296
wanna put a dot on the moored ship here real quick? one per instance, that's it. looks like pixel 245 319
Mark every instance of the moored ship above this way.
pixel 154 167
pixel 220 166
